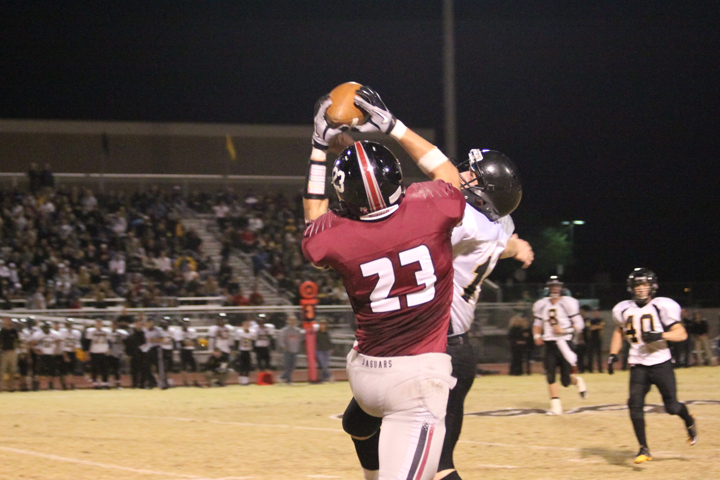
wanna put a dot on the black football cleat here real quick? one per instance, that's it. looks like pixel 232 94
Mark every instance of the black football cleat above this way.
pixel 643 455
pixel 692 433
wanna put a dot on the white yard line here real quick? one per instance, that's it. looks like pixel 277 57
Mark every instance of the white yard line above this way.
pixel 108 466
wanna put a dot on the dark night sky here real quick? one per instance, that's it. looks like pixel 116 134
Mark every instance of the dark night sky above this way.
pixel 610 108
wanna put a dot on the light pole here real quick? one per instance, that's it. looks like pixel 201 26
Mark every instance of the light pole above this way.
pixel 571 224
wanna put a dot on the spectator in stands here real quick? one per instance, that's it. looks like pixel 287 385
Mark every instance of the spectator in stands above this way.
pixel 256 298
pixel 34 178
pixel 221 211
pixel 37 300
pixel 289 342
pixel 259 262
pixel 47 179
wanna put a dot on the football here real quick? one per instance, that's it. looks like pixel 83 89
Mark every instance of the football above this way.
pixel 343 110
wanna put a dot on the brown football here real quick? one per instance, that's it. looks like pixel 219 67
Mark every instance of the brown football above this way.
pixel 343 110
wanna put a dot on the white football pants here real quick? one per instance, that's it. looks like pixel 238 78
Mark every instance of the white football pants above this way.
pixel 410 394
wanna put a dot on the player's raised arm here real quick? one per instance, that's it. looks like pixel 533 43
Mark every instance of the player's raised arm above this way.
pixel 427 156
pixel 520 250
pixel 315 199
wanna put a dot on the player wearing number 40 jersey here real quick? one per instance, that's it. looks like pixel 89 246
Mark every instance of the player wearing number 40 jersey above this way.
pixel 392 249
pixel 557 320
pixel 648 323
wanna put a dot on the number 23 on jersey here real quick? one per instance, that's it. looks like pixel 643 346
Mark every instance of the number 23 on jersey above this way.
pixel 380 299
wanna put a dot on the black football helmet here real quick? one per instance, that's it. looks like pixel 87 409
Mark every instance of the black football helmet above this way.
pixel 498 189
pixel 638 277
pixel 367 179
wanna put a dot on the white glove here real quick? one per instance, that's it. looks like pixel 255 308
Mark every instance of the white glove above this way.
pixel 324 132
pixel 381 120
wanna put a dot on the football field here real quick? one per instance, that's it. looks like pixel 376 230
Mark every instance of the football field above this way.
pixel 293 432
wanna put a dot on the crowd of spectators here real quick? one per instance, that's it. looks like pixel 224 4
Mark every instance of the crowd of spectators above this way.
pixel 267 230
pixel 60 245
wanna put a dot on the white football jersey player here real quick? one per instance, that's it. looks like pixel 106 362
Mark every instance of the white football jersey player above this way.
pixel 186 338
pixel 263 334
pixel 70 338
pixel 477 243
pixel 245 339
pixel 565 312
pixel 45 343
pixel 220 338
pixel 657 315
pixel 99 339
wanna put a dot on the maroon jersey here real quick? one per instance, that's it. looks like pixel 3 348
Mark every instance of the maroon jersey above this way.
pixel 397 271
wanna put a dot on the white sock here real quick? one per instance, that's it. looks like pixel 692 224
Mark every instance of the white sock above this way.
pixel 371 474
pixel 556 406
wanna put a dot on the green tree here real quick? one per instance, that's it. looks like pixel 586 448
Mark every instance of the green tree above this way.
pixel 552 248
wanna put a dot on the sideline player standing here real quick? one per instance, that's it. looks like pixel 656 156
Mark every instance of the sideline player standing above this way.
pixel 44 343
pixel 99 349
pixel 165 359
pixel 220 336
pixel 186 337
pixel 391 247
pixel 649 323
pixel 263 343
pixel 71 340
pixel 557 320
pixel 245 338
pixel 117 348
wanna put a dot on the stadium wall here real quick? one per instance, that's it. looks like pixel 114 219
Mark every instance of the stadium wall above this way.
pixel 165 148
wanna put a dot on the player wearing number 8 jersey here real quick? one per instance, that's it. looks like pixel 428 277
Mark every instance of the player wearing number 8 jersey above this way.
pixel 557 319
pixel 392 249
pixel 648 323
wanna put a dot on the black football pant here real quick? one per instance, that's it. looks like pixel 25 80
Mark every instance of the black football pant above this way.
pixel 263 357
pixel 136 369
pixel 642 377
pixel 99 367
pixel 517 358
pixel 149 358
pixel 464 366
pixel 244 363
pixel 187 361
pixel 553 359
pixel 595 353
pixel 114 368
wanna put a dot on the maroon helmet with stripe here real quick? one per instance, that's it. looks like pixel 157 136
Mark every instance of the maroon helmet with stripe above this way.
pixel 367 178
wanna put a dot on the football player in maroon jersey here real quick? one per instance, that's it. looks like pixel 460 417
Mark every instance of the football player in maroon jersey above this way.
pixel 391 247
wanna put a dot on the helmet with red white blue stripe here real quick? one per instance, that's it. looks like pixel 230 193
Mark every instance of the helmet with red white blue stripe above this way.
pixel 368 180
